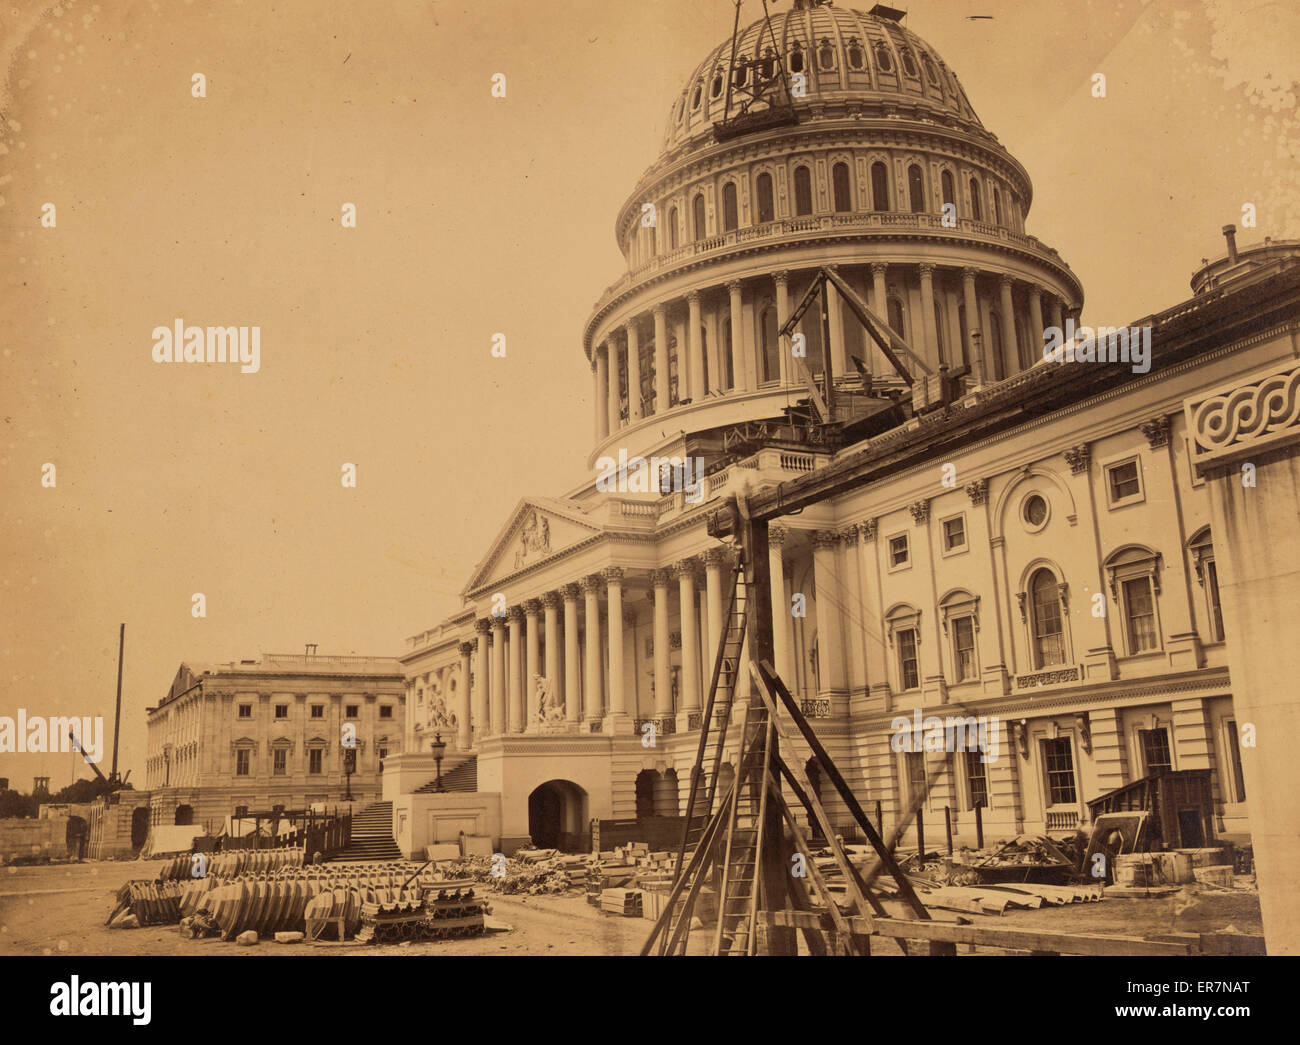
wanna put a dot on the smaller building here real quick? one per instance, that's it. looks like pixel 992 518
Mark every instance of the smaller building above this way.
pixel 272 732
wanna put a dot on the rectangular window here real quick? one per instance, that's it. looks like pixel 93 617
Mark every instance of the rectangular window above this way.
pixel 318 711
pixel 382 751
pixel 1234 753
pixel 386 711
pixel 1140 613
pixel 352 711
pixel 282 711
pixel 963 644
pixel 279 761
pixel 954 533
pixel 908 669
pixel 241 811
pixel 1123 481
pixel 977 777
pixel 245 710
pixel 1216 607
pixel 1155 750
pixel 915 774
pixel 1058 758
pixel 898 551
pixel 242 761
pixel 314 760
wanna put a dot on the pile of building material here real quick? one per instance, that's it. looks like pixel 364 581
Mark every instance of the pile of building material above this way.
pixel 446 915
pixel 602 876
pixel 556 874
pixel 1028 858
pixel 150 903
pixel 625 902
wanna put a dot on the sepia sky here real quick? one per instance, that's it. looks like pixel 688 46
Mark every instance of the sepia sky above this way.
pixel 474 215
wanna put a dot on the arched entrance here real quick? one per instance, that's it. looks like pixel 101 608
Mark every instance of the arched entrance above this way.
pixel 139 827
pixel 645 793
pixel 557 816
pixel 184 816
pixel 78 837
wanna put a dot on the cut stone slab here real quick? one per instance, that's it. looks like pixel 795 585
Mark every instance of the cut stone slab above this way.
pixel 442 851
pixel 285 937
pixel 247 939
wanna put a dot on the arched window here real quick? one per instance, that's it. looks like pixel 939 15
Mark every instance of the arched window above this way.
pixel 948 189
pixel 826 55
pixel 909 64
pixel 1207 576
pixel 976 211
pixel 796 59
pixel 883 58
pixel 672 228
pixel 741 76
pixel 802 191
pixel 695 98
pixel 1046 627
pixel 931 74
pixel 767 69
pixel 697 208
pixel 879 186
pixel 857 57
pixel 730 216
pixel 1133 574
pixel 766 207
pixel 840 185
pixel 771 344
pixel 897 317
pixel 997 205
pixel 715 88
pixel 915 189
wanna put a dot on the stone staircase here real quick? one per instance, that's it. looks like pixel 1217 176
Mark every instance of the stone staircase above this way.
pixel 461 779
pixel 372 835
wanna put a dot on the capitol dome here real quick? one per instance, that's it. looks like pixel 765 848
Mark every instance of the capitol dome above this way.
pixel 842 141
pixel 844 56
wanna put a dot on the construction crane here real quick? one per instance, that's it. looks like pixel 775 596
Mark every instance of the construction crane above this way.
pixel 758 89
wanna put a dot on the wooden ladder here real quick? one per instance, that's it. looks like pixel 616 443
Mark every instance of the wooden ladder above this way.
pixel 739 892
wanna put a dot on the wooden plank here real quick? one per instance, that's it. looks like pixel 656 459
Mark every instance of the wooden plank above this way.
pixel 823 893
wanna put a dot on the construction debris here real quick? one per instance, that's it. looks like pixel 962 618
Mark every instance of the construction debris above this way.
pixel 626 902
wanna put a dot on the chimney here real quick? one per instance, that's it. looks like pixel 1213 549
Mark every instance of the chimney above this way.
pixel 1230 234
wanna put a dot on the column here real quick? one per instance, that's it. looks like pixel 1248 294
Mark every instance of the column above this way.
pixel 1008 329
pixel 713 562
pixel 738 368
pixel 930 350
pixel 572 662
pixel 601 382
pixel 1035 322
pixel 514 689
pixel 634 411
pixel 593 688
pixel 776 536
pixel 880 304
pixel 481 671
pixel 612 398
pixel 851 591
pixel 1054 312
pixel 789 368
pixel 498 686
pixel 663 674
pixel 835 316
pixel 830 647
pixel 613 576
pixel 872 626
pixel 661 359
pixel 532 667
pixel 974 347
pixel 465 649
pixel 696 350
pixel 551 609
pixel 690 640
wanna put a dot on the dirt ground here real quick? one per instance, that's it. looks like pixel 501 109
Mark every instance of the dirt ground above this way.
pixel 60 909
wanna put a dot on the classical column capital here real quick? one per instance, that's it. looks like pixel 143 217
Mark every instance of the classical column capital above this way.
pixel 499 623
pixel 661 578
pixel 658 309
pixel 482 625
pixel 734 286
pixel 693 297
pixel 1156 431
pixel 969 274
pixel 920 510
pixel 825 538
pixel 879 268
pixel 1078 458
pixel 516 614
pixel 781 277
pixel 551 598
pixel 927 269
pixel 868 528
pixel 570 591
pixel 591 583
pixel 686 567
pixel 978 491
pixel 465 649
pixel 777 535
pixel 531 606
pixel 1035 291
pixel 849 535
pixel 1005 281
pixel 715 556
pixel 613 574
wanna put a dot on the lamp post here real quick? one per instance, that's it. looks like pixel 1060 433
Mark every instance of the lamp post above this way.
pixel 349 767
pixel 439 746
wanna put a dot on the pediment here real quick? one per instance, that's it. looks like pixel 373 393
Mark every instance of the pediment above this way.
pixel 537 529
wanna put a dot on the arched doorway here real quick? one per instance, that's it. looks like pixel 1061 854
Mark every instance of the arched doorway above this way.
pixel 139 827
pixel 184 816
pixel 557 816
pixel 78 837
pixel 645 793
